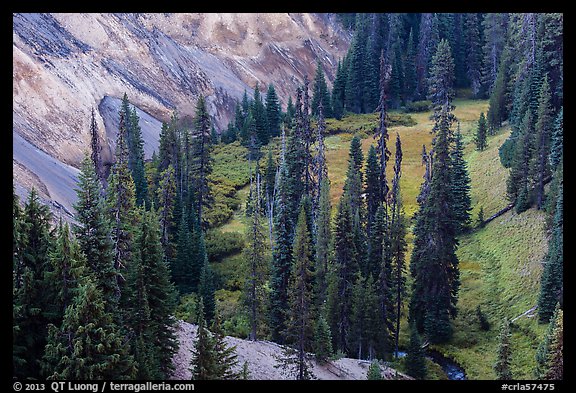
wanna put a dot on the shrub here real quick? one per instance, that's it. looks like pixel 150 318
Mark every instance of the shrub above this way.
pixel 222 244
pixel 418 106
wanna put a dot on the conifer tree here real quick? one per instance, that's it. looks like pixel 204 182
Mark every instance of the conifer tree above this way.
pixel 203 364
pixel 473 53
pixel 31 260
pixel 136 158
pixel 397 240
pixel 259 114
pixel 323 243
pixel 543 351
pixel 503 362
pixel 481 131
pixel 410 68
pixel 557 141
pixel 441 82
pixel 320 169
pixel 206 286
pixel 338 91
pixel 555 355
pixel 372 188
pixel 434 264
pixel 366 336
pixel 498 108
pixel 494 26
pixel 320 93
pixel 374 372
pixel 201 166
pixel 93 234
pixel 290 114
pixel 281 254
pixel 273 111
pixel 66 265
pixel 299 322
pixel 89 345
pixel 544 128
pixel 322 340
pixel 121 206
pixel 157 294
pixel 382 132
pixel 551 282
pixel 346 266
pixel 256 263
pixel 226 357
pixel 166 194
pixel 96 149
pixel 427 42
pixel 415 356
pixel 460 184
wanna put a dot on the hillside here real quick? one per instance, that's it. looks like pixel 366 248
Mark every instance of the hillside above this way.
pixel 261 359
pixel 65 65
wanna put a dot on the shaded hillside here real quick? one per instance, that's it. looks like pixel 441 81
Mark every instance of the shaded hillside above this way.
pixel 66 64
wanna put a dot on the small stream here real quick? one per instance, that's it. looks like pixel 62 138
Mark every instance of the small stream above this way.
pixel 452 369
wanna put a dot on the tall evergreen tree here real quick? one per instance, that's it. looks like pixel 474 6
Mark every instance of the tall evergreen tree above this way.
pixel 366 335
pixel 29 287
pixel 203 364
pixel 551 282
pixel 557 141
pixel 398 243
pixel 372 188
pixel 282 252
pixel 434 264
pixel 428 39
pixel 346 267
pixel 93 234
pixel 441 82
pixel 96 149
pixel 544 129
pixel 206 285
pixel 136 158
pixel 381 135
pixel 460 184
pixel 273 111
pixel 543 352
pixel 555 358
pixel 299 324
pixel 339 91
pixel 226 357
pixel 481 132
pixel 473 53
pixel 201 166
pixel 415 357
pixel 494 26
pixel 259 113
pixel 154 292
pixel 320 93
pixel 256 262
pixel 410 68
pixel 121 206
pixel 323 243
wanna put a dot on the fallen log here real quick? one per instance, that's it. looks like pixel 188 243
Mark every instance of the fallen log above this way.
pixel 510 206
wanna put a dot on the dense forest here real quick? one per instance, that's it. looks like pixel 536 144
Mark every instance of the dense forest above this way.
pixel 99 297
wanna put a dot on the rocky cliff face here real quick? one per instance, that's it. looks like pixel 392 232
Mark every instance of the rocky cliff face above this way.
pixel 66 64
